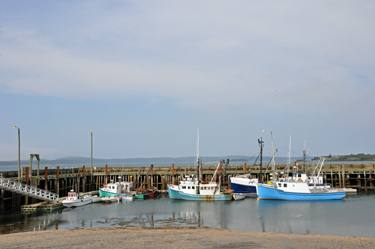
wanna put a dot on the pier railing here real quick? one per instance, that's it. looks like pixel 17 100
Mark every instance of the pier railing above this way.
pixel 24 189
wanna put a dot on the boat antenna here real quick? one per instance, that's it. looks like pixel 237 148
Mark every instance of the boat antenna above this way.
pixel 198 163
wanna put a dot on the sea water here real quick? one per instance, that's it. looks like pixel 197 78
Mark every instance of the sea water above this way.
pixel 352 216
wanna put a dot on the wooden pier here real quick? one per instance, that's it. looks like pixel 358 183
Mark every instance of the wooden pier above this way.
pixel 62 180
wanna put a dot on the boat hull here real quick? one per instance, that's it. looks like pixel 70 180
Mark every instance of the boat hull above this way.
pixel 106 193
pixel 178 195
pixel 76 203
pixel 272 193
pixel 238 197
pixel 126 197
pixel 243 187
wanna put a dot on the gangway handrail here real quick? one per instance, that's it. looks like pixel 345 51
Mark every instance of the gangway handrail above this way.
pixel 25 189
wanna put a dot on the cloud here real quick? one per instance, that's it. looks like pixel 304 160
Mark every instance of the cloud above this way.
pixel 296 55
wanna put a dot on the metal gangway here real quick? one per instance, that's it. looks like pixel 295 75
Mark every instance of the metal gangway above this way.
pixel 24 189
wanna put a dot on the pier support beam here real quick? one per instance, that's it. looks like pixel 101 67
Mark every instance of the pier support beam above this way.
pixel 46 178
pixel 58 180
pixel 84 179
pixel 106 174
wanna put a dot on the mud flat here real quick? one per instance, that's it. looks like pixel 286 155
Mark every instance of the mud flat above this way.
pixel 169 237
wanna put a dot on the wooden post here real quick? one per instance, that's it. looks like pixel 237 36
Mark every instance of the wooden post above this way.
pixel 152 175
pixel 339 173
pixel 172 173
pixel 27 182
pixel 343 175
pixel 106 174
pixel 58 180
pixel 364 179
pixel 245 168
pixel 331 178
pixel 83 179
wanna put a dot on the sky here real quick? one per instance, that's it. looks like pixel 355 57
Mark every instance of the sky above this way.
pixel 143 76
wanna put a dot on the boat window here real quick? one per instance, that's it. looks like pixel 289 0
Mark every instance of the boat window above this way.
pixel 285 185
pixel 183 187
pixel 279 184
pixel 192 187
pixel 299 175
pixel 188 187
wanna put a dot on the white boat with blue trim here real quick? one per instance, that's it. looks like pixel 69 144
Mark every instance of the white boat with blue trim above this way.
pixel 192 188
pixel 292 191
pixel 298 187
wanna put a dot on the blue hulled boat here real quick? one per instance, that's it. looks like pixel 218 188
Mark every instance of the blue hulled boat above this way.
pixel 284 190
pixel 244 185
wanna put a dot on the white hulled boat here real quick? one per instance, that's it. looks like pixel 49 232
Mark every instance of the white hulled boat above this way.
pixel 74 200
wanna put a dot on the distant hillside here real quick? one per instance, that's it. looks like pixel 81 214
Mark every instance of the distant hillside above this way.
pixel 157 161
pixel 351 157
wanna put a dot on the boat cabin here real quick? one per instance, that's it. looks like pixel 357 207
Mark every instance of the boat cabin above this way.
pixel 299 177
pixel 72 195
pixel 296 187
pixel 189 185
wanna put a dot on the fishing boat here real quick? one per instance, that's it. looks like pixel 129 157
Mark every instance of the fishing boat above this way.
pixel 141 193
pixel 193 189
pixel 115 189
pixel 244 185
pixel 296 188
pixel 285 190
pixel 74 200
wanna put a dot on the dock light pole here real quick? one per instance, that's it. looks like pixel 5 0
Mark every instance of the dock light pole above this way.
pixel 19 153
pixel 273 158
pixel 91 158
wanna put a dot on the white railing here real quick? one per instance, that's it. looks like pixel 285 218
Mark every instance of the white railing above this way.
pixel 27 190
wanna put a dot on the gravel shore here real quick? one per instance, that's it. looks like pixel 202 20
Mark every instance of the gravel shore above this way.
pixel 135 237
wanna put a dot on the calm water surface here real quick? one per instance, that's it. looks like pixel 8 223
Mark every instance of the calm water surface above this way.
pixel 353 216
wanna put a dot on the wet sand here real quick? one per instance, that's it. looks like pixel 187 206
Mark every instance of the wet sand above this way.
pixel 169 237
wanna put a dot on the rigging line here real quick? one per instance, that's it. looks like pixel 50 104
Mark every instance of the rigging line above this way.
pixel 298 153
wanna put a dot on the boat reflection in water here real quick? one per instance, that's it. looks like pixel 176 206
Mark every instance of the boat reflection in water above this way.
pixel 298 217
pixel 352 216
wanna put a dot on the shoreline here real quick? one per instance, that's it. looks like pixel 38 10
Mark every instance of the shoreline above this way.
pixel 172 237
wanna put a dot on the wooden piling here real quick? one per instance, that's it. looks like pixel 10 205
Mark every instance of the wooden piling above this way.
pixel 172 173
pixel 58 180
pixel 83 179
pixel 343 175
pixel 106 174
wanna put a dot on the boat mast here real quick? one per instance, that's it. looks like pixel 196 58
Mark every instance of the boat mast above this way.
pixel 290 149
pixel 304 158
pixel 261 144
pixel 273 158
pixel 198 164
